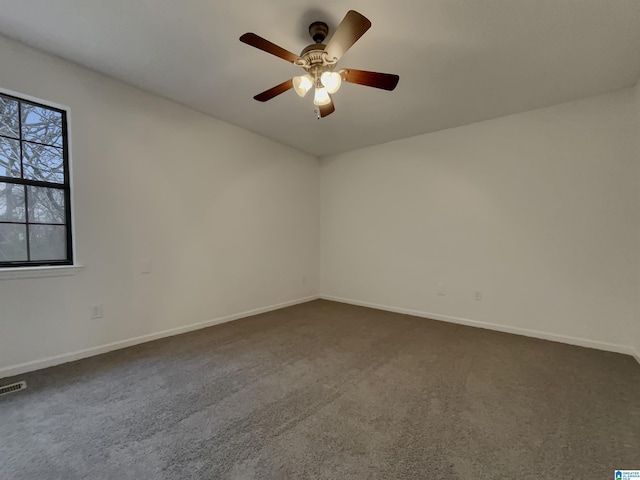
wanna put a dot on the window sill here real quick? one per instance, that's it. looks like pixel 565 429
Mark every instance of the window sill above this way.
pixel 39 272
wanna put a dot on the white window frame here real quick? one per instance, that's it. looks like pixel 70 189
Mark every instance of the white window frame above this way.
pixel 36 271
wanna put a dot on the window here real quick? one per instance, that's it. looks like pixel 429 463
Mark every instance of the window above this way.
pixel 35 192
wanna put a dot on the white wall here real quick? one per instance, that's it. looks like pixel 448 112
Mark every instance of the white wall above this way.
pixel 228 218
pixel 637 324
pixel 537 210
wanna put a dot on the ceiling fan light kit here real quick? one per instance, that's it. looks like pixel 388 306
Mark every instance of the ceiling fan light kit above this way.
pixel 331 81
pixel 321 97
pixel 302 84
pixel 319 62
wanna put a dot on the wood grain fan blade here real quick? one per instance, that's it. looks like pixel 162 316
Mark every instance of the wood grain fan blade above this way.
pixel 266 46
pixel 275 91
pixel 327 109
pixel 385 81
pixel 351 28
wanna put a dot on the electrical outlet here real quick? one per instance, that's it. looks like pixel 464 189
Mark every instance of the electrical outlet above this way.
pixel 96 311
pixel 441 290
pixel 478 295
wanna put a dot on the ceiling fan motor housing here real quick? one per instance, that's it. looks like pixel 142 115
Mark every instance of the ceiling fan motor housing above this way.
pixel 314 61
pixel 313 58
pixel 318 31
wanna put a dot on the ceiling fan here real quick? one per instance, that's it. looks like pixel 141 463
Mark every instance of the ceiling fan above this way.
pixel 319 62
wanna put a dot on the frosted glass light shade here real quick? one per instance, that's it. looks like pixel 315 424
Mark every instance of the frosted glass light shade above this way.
pixel 332 81
pixel 321 97
pixel 302 84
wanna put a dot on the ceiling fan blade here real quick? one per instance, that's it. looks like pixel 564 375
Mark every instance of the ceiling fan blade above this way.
pixel 275 91
pixel 385 81
pixel 327 109
pixel 351 28
pixel 266 46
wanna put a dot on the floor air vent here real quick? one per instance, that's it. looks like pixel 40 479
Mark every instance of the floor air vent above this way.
pixel 14 387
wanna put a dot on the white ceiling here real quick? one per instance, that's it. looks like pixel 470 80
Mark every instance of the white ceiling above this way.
pixel 459 61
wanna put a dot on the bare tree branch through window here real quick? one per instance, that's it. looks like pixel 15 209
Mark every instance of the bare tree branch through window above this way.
pixel 34 184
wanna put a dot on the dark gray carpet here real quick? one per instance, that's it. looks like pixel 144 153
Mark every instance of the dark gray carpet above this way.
pixel 326 390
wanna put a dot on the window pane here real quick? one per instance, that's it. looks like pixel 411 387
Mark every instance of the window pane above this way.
pixel 9 117
pixel 41 125
pixel 46 205
pixel 13 242
pixel 42 163
pixel 48 242
pixel 9 158
pixel 12 203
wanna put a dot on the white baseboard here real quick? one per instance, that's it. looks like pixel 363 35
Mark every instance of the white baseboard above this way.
pixel 581 342
pixel 89 352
